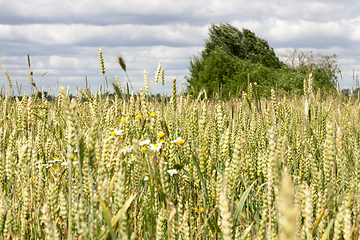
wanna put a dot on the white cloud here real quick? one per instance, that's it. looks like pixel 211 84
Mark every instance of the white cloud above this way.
pixel 81 34
pixel 63 37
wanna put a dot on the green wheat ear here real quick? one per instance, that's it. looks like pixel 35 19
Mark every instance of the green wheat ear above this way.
pixel 9 79
pixel 117 89
pixel 101 59
pixel 121 62
pixel 123 66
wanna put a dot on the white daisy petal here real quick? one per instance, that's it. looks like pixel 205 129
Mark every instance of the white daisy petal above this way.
pixel 172 171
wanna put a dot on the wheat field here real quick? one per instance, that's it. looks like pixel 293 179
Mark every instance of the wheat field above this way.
pixel 135 167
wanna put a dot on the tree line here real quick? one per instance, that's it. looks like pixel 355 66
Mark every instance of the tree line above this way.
pixel 232 59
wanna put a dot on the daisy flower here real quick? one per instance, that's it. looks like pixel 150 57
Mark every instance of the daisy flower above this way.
pixel 126 149
pixel 48 165
pixel 155 147
pixel 115 132
pixel 179 141
pixel 161 134
pixel 145 142
pixel 172 171
pixel 146 178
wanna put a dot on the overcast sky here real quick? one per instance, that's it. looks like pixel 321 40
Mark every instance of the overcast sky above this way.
pixel 64 37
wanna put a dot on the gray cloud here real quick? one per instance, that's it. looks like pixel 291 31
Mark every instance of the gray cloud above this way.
pixel 63 37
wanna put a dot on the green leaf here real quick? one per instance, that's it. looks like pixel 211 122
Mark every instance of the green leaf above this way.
pixel 107 219
pixel 246 231
pixel 313 232
pixel 117 217
pixel 327 231
pixel 242 201
pixel 200 176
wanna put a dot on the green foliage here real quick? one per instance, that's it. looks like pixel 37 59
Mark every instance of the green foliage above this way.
pixel 346 92
pixel 243 45
pixel 356 92
pixel 220 69
pixel 233 58
pixel 325 71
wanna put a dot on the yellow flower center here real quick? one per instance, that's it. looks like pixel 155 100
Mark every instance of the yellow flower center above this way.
pixel 152 114
pixel 75 158
pixel 161 135
pixel 156 145
pixel 143 149
pixel 57 170
pixel 138 117
pixel 122 120
pixel 112 133
pixel 202 209
pixel 124 147
pixel 32 179
pixel 162 141
pixel 180 141
pixel 56 159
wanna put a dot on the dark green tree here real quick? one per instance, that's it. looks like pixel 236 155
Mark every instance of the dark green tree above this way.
pixel 356 92
pixel 227 58
pixel 346 92
pixel 243 44
pixel 232 58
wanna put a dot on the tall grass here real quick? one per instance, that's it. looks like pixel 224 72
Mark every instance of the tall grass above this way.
pixel 96 167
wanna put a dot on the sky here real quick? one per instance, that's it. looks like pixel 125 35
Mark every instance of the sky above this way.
pixel 63 38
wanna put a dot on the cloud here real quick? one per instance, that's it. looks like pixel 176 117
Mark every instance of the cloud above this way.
pixel 112 35
pixel 63 37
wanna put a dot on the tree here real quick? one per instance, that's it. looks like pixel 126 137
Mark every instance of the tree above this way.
pixel 244 45
pixel 296 57
pixel 324 68
pixel 356 92
pixel 346 92
pixel 227 58
pixel 231 58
